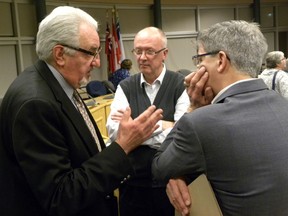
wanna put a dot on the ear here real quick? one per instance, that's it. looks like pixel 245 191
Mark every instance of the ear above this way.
pixel 58 55
pixel 223 61
pixel 165 53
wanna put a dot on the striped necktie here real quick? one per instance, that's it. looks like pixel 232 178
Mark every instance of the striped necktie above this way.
pixel 81 108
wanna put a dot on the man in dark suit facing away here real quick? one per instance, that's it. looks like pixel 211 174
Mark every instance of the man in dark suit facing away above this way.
pixel 239 139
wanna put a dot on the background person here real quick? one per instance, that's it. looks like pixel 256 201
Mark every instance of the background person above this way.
pixel 238 139
pixel 122 73
pixel 163 88
pixel 50 159
pixel 274 75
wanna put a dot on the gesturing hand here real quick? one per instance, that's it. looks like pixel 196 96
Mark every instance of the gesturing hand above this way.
pixel 133 132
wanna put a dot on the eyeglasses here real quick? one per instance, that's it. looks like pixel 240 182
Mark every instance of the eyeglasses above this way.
pixel 149 52
pixel 197 59
pixel 94 54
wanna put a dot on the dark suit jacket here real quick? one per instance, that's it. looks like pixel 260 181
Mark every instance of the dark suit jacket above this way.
pixel 49 163
pixel 240 143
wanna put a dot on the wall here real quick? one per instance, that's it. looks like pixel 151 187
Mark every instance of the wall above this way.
pixel 178 2
pixel 181 22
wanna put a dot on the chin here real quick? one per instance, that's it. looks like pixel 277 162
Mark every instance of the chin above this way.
pixel 84 81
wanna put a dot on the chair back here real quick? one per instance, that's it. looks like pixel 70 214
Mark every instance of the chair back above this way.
pixel 109 85
pixel 96 88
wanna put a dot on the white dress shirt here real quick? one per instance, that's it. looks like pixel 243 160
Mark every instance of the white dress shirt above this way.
pixel 120 102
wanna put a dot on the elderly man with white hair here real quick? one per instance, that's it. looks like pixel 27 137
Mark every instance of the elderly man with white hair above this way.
pixel 274 75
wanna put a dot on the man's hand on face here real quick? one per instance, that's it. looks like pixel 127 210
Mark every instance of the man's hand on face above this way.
pixel 199 94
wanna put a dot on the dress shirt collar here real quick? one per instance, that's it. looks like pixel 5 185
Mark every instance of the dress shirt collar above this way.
pixel 159 79
pixel 227 87
pixel 66 87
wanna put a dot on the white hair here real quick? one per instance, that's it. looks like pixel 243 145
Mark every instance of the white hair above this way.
pixel 61 26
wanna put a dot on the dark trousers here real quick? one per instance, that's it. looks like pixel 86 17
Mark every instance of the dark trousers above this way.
pixel 144 201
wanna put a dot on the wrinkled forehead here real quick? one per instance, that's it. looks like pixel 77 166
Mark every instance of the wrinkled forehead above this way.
pixel 88 35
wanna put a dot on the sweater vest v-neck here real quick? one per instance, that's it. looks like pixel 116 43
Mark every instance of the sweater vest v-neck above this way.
pixel 170 90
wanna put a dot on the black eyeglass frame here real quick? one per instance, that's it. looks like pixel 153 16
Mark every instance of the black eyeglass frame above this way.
pixel 154 52
pixel 195 57
pixel 94 54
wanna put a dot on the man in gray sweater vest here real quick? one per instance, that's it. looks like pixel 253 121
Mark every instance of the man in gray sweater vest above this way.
pixel 140 195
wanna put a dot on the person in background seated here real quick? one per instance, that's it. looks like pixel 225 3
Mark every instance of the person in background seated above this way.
pixel 53 160
pixel 236 131
pixel 155 84
pixel 122 73
pixel 274 75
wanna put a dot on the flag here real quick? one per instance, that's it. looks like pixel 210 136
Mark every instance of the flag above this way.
pixel 120 37
pixel 109 51
pixel 114 48
pixel 115 41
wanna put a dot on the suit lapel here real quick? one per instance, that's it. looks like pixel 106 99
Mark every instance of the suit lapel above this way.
pixel 68 108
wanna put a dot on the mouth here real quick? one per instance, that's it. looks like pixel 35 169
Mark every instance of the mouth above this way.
pixel 144 65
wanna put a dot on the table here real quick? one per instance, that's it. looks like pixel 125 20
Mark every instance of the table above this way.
pixel 100 112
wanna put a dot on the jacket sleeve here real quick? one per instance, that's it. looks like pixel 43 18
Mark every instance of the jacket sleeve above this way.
pixel 180 154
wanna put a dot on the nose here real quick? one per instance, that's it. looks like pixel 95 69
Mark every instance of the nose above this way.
pixel 96 62
pixel 143 55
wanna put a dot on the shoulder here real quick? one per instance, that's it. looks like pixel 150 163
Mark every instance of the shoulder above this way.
pixel 130 81
pixel 174 80
pixel 267 72
pixel 282 75
pixel 175 74
pixel 133 78
pixel 175 77
pixel 197 118
pixel 117 71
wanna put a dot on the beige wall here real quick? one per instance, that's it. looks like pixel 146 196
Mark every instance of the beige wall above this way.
pixel 177 2
pixel 181 22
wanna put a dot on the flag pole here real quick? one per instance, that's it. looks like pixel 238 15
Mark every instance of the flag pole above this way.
pixel 108 45
pixel 122 57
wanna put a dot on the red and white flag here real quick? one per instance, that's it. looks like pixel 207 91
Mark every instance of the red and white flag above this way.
pixel 114 48
pixel 109 50
pixel 120 37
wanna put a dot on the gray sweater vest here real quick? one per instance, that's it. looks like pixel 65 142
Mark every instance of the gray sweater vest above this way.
pixel 171 89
